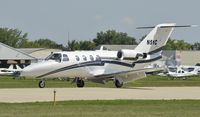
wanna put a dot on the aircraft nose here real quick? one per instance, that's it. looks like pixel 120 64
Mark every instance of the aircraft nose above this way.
pixel 37 69
pixel 29 71
pixel 24 73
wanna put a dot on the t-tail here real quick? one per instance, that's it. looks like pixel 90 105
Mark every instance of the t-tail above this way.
pixel 151 46
pixel 156 39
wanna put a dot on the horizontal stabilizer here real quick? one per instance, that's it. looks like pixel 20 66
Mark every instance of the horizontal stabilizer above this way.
pixel 180 26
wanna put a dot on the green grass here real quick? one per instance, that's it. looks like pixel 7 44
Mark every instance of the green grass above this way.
pixel 160 81
pixel 150 81
pixel 112 108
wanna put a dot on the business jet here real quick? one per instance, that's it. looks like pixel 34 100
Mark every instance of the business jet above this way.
pixel 103 65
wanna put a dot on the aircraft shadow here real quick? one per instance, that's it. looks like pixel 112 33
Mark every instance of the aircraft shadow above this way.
pixel 140 88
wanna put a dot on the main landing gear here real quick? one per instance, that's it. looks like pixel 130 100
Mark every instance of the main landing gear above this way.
pixel 118 83
pixel 80 83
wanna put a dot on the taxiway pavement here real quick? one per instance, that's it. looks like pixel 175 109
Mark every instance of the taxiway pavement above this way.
pixel 62 94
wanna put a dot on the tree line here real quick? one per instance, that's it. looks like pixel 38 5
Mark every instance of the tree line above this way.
pixel 17 39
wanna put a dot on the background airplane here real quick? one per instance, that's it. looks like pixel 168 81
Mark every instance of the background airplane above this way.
pixel 10 71
pixel 182 71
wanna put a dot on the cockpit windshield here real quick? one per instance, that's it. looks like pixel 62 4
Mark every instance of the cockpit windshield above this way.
pixel 54 56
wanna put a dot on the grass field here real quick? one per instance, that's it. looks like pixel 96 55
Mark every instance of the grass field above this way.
pixel 100 108
pixel 9 82
pixel 112 108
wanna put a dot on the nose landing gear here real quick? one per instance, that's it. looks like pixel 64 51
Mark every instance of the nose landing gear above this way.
pixel 41 84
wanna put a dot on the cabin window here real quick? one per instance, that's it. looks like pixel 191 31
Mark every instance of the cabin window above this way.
pixel 91 58
pixel 77 58
pixel 65 57
pixel 55 56
pixel 104 48
pixel 84 58
pixel 172 69
pixel 98 58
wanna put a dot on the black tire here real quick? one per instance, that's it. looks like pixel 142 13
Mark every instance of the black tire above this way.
pixel 118 84
pixel 41 84
pixel 80 83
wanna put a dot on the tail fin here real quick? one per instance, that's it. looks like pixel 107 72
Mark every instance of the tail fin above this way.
pixel 156 39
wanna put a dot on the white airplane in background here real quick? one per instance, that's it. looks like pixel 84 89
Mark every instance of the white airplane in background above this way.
pixel 102 65
pixel 182 71
pixel 9 71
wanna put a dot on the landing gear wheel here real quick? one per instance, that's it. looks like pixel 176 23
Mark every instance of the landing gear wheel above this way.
pixel 41 84
pixel 80 83
pixel 118 84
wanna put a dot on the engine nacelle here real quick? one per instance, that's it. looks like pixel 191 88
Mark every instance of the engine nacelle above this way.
pixel 126 54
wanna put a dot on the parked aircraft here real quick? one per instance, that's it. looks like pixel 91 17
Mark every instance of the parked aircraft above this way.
pixel 182 71
pixel 102 65
pixel 9 71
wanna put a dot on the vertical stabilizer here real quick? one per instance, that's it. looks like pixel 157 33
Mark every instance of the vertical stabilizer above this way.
pixel 156 39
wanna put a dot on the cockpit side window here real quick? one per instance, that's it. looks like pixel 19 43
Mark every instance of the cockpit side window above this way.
pixel 55 56
pixel 104 48
pixel 77 58
pixel 65 57
pixel 84 58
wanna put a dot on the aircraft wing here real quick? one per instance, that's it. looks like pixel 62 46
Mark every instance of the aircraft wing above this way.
pixel 125 76
pixel 156 70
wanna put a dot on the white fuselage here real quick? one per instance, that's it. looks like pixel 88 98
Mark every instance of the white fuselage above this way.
pixel 84 64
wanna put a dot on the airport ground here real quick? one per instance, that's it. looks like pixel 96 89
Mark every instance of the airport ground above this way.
pixel 183 107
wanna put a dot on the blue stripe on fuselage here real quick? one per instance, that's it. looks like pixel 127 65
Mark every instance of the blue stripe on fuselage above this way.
pixel 90 63
pixel 97 63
